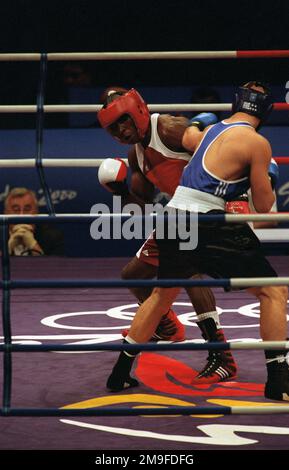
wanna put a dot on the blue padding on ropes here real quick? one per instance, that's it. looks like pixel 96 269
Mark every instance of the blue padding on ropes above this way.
pixel 39 133
pixel 110 411
pixel 71 283
pixel 116 347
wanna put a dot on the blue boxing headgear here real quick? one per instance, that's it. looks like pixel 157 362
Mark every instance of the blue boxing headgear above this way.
pixel 253 102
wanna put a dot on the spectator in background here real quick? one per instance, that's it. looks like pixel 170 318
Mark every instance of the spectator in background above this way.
pixel 29 239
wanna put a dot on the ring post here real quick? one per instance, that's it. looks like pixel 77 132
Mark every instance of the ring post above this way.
pixel 39 133
pixel 7 355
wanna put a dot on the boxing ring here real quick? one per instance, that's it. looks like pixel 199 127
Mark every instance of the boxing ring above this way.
pixel 166 411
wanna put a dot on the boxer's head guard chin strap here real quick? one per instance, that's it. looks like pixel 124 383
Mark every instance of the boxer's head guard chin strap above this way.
pixel 130 103
pixel 253 102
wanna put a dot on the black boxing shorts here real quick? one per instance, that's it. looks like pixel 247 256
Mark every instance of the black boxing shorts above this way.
pixel 223 251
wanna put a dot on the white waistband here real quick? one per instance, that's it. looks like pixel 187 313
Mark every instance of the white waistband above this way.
pixel 192 200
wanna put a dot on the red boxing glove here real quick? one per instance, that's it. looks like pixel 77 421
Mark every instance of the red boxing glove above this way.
pixel 239 206
pixel 112 175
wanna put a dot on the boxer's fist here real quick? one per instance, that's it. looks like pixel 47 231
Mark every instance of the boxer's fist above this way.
pixel 240 205
pixel 112 175
pixel 203 120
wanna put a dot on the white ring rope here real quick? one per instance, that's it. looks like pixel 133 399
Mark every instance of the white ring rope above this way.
pixel 94 108
pixel 267 235
pixel 57 56
pixel 54 162
pixel 259 410
pixel 21 162
pixel 259 281
pixel 280 217
pixel 151 55
pixel 250 345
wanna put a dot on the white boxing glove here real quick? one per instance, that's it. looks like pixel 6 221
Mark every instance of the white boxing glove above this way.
pixel 112 175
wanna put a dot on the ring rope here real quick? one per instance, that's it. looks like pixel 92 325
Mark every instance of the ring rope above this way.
pixel 184 346
pixel 150 55
pixel 226 217
pixel 171 410
pixel 6 318
pixel 86 162
pixel 234 282
pixel 39 134
pixel 55 162
pixel 93 108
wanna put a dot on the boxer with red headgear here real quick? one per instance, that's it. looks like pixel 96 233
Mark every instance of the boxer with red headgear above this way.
pixel 131 104
pixel 156 160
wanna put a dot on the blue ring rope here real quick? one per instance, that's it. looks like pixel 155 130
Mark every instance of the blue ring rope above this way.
pixel 117 347
pixel 169 411
pixel 39 133
pixel 89 218
pixel 110 411
pixel 107 283
pixel 210 346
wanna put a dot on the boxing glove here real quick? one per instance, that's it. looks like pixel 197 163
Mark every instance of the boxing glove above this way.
pixel 112 175
pixel 240 205
pixel 273 173
pixel 203 120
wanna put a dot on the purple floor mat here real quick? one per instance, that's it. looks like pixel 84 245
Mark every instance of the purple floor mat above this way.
pixel 84 316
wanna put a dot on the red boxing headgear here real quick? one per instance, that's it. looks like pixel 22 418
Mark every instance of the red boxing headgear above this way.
pixel 130 103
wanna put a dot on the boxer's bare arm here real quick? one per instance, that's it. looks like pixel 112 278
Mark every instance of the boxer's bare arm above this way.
pixel 171 130
pixel 260 157
pixel 191 138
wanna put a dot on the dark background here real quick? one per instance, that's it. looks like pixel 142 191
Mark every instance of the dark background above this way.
pixel 69 25
pixel 66 25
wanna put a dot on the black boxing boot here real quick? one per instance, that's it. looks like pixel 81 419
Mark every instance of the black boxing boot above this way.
pixel 220 365
pixel 277 385
pixel 120 378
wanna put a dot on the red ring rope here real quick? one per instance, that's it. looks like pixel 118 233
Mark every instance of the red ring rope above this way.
pixel 252 54
pixel 282 160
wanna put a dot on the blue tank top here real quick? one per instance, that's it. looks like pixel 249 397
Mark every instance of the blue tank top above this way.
pixel 196 176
